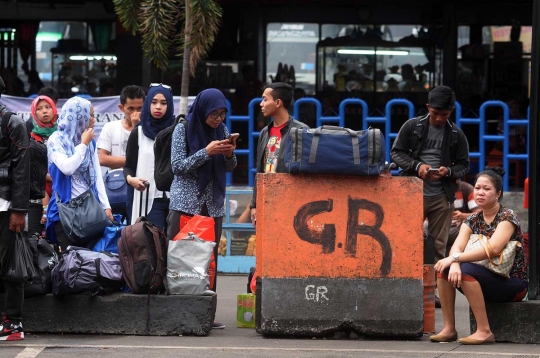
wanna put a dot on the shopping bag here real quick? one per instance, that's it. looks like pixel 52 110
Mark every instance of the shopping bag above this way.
pixel 187 265
pixel 21 263
pixel 203 228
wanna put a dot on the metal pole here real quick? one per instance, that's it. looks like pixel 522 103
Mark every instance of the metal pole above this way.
pixel 534 150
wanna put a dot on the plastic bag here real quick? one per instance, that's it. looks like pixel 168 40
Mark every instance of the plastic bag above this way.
pixel 21 264
pixel 203 228
pixel 187 264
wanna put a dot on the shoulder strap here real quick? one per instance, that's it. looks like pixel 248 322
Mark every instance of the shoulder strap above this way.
pixel 182 119
pixel 159 275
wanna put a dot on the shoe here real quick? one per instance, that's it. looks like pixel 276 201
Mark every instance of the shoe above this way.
pixel 439 338
pixel 471 341
pixel 11 331
pixel 437 302
pixel 218 325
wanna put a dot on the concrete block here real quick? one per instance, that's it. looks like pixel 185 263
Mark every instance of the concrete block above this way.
pixel 313 307
pixel 156 315
pixel 339 253
pixel 514 322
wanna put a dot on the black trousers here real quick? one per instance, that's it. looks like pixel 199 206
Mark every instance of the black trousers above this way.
pixel 35 212
pixel 14 291
pixel 173 228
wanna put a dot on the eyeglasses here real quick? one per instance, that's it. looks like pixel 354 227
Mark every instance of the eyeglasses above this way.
pixel 162 85
pixel 215 114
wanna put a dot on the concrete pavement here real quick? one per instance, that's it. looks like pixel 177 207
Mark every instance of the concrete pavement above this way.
pixel 243 342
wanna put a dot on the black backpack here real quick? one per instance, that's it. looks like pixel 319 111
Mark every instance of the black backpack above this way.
pixel 163 174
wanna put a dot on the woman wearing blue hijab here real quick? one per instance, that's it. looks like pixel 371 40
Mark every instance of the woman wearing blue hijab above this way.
pixel 157 114
pixel 199 165
pixel 73 164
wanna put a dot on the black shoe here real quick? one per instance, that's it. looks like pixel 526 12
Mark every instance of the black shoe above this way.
pixel 11 331
pixel 437 302
pixel 218 325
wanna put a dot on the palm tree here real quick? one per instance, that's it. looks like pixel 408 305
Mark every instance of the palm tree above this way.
pixel 157 21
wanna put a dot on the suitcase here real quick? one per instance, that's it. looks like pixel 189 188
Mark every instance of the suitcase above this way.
pixel 142 249
pixel 335 150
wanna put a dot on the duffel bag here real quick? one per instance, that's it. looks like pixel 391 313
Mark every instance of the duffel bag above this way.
pixel 335 150
pixel 81 271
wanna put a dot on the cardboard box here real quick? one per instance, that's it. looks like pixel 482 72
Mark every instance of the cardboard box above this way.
pixel 245 311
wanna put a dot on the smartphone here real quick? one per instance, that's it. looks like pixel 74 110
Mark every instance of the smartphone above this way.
pixel 433 170
pixel 233 137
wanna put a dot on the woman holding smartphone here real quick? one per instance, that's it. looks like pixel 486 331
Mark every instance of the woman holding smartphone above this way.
pixel 199 165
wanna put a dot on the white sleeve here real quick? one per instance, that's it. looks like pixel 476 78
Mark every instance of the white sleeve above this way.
pixel 103 199
pixel 104 140
pixel 68 165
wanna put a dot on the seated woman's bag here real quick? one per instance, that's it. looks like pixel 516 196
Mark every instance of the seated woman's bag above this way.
pixel 505 259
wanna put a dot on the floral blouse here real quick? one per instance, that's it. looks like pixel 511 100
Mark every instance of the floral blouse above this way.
pixel 479 226
pixel 184 187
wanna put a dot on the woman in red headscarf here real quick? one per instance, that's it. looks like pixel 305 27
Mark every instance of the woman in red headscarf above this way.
pixel 44 115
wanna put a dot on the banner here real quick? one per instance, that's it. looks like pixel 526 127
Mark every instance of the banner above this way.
pixel 105 108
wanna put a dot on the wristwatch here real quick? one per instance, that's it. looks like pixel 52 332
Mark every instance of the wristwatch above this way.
pixel 456 257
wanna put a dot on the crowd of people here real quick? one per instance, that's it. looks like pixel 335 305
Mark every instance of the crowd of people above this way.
pixel 55 158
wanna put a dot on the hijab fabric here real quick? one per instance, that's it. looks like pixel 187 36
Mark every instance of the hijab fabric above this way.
pixel 73 120
pixel 150 125
pixel 43 129
pixel 201 134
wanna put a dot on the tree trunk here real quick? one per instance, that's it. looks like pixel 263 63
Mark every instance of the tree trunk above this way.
pixel 185 66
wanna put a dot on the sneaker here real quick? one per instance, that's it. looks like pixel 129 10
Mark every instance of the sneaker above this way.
pixel 218 325
pixel 11 331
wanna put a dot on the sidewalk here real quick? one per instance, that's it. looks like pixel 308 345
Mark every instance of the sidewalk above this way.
pixel 233 342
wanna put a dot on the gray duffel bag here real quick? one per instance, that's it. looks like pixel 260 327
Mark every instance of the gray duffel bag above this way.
pixel 187 265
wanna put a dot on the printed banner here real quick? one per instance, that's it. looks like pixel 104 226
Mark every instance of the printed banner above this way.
pixel 106 108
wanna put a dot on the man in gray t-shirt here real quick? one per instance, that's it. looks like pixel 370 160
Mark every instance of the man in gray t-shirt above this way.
pixel 434 149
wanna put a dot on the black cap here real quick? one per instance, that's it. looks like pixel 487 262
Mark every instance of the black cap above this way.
pixel 2 86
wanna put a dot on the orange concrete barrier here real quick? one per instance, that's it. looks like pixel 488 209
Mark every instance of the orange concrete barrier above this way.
pixel 335 226
pixel 339 253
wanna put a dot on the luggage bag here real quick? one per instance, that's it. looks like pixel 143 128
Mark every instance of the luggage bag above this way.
pixel 142 248
pixel 335 150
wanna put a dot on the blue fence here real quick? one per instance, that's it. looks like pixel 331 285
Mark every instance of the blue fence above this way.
pixel 386 119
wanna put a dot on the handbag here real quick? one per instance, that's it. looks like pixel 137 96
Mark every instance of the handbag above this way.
pixel 83 219
pixel 506 257
pixel 117 190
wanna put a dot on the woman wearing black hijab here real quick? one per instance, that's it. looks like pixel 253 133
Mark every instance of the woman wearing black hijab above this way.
pixel 199 165
pixel 157 114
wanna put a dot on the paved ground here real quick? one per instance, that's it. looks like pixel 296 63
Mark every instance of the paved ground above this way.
pixel 242 342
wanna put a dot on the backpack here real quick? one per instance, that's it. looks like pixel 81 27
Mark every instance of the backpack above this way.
pixel 142 248
pixel 81 271
pixel 163 174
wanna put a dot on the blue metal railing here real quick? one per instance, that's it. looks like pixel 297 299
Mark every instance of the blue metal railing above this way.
pixel 504 138
pixel 386 119
pixel 235 263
